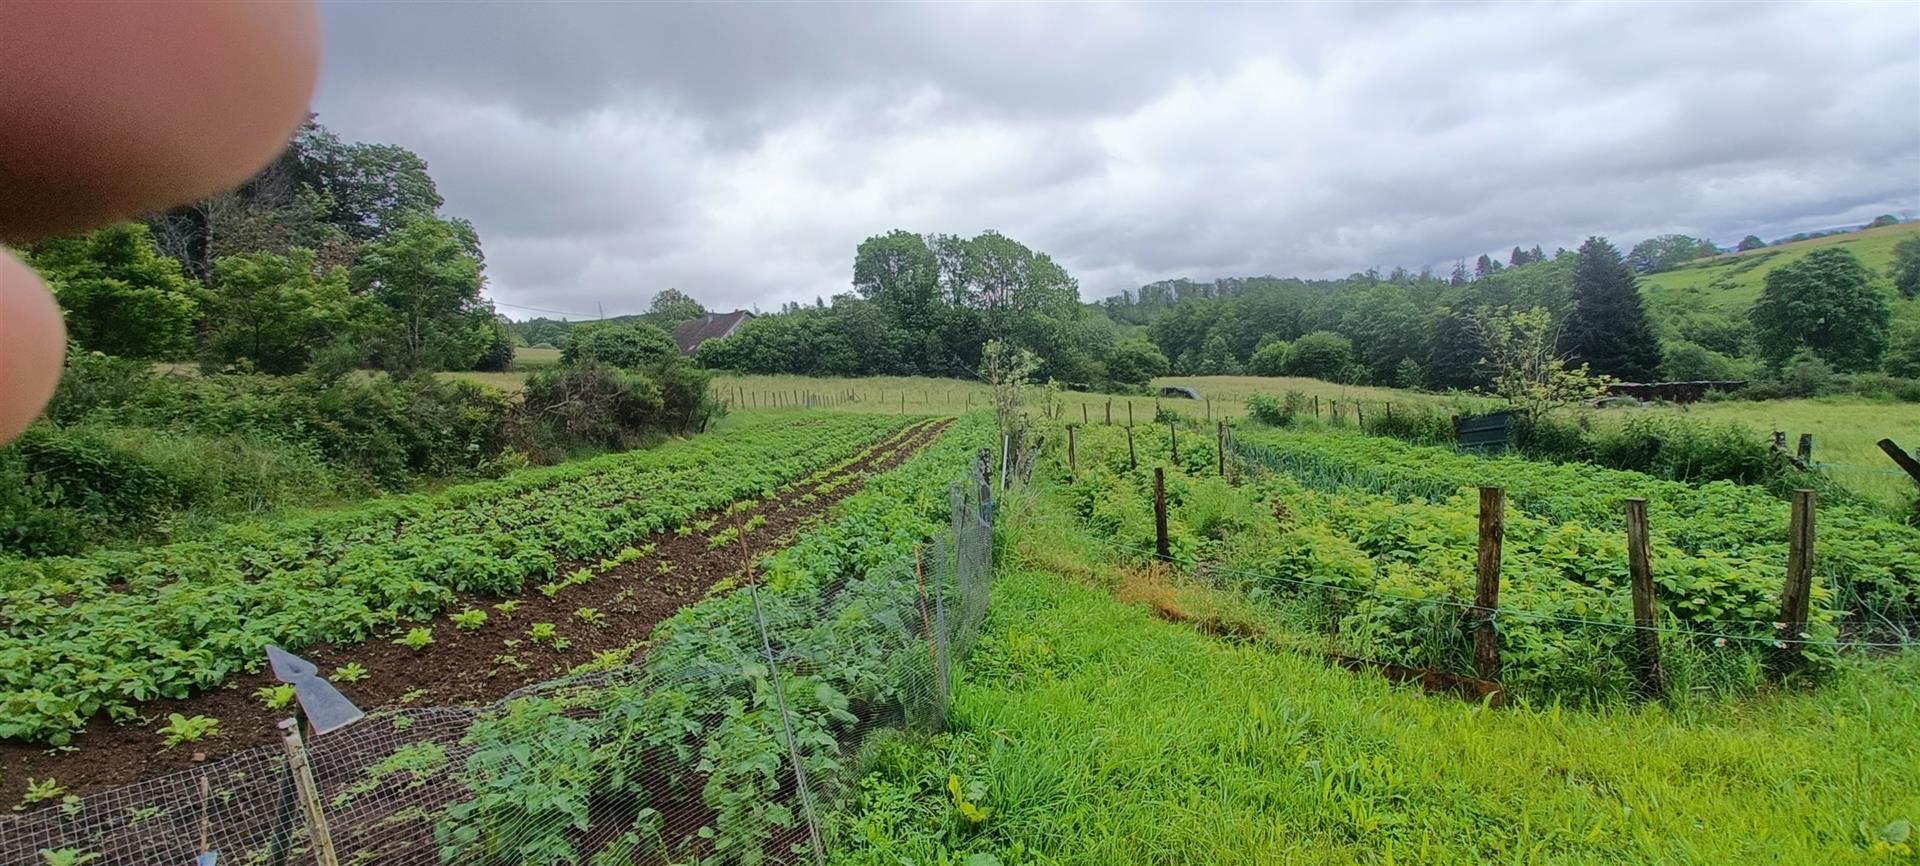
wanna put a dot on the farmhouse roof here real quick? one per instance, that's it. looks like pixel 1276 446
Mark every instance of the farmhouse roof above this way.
pixel 688 335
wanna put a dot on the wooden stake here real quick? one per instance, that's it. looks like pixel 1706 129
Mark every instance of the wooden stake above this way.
pixel 1160 548
pixel 1109 412
pixel 1486 590
pixel 1209 408
pixel 1129 413
pixel 1132 461
pixel 1796 596
pixel 1221 435
pixel 308 793
pixel 1805 452
pixel 1646 609
pixel 1316 405
pixel 1173 437
pixel 1902 458
pixel 1359 415
pixel 1083 413
pixel 1073 453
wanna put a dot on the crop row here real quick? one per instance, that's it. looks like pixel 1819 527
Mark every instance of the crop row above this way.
pixel 705 720
pixel 1871 562
pixel 83 635
pixel 1394 577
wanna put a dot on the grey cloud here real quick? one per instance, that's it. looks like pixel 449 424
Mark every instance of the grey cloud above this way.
pixel 739 152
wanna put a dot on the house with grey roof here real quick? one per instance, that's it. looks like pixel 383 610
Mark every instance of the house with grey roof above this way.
pixel 688 335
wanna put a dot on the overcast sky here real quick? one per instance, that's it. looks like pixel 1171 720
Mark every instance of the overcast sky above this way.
pixel 741 152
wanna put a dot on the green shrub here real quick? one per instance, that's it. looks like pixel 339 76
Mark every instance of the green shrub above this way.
pixel 1277 411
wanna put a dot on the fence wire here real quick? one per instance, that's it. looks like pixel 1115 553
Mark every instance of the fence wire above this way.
pixel 720 745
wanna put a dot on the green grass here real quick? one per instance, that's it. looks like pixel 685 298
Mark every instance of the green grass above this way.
pixel 1093 732
pixel 1733 282
pixel 1845 432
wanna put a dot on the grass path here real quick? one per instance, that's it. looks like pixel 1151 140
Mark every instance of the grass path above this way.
pixel 1093 732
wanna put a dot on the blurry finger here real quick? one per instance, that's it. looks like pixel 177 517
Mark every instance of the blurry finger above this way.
pixel 112 110
pixel 33 344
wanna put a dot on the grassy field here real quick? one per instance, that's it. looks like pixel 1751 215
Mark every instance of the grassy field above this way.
pixel 1091 731
pixel 1845 428
pixel 1845 432
pixel 1733 281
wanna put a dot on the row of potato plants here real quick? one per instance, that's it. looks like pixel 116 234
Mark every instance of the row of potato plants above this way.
pixel 1871 562
pixel 1393 575
pixel 700 720
pixel 99 633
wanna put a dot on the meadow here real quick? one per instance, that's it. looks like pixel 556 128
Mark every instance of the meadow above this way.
pixel 1732 282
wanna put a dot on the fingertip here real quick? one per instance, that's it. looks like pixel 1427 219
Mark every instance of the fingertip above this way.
pixel 114 110
pixel 33 346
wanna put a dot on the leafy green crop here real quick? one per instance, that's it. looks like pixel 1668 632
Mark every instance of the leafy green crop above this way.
pixel 704 711
pixel 188 729
pixel 1869 561
pixel 1393 577
pixel 91 634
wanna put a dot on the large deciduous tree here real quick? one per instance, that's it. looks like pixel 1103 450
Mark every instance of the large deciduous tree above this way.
pixel 428 283
pixel 1608 330
pixel 670 307
pixel 1751 242
pixel 1666 252
pixel 120 296
pixel 275 312
pixel 1826 303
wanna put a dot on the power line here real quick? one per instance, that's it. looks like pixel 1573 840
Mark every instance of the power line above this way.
pixel 585 317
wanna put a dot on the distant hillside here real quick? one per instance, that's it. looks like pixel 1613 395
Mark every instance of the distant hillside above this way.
pixel 1732 282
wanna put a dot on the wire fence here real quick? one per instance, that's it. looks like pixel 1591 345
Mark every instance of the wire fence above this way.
pixel 745 719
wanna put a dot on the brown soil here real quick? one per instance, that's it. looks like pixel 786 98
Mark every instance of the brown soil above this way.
pixel 461 667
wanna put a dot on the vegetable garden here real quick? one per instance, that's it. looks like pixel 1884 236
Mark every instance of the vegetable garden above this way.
pixel 682 752
pixel 1370 545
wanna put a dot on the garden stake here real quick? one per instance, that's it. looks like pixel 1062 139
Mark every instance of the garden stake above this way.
pixel 1486 590
pixel 1646 612
pixel 1795 597
pixel 1160 548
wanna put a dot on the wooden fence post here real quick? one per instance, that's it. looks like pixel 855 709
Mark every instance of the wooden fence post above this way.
pixel 1486 590
pixel 1109 411
pixel 1805 451
pixel 1132 461
pixel 1209 408
pixel 1796 596
pixel 1316 405
pixel 1221 435
pixel 1073 453
pixel 1083 413
pixel 1779 440
pixel 1129 413
pixel 308 793
pixel 1160 548
pixel 1359 415
pixel 1902 459
pixel 1173 436
pixel 1646 609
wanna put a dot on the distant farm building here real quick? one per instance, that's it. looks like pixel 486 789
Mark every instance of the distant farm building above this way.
pixel 688 335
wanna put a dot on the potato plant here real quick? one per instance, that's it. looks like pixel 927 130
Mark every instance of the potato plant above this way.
pixel 97 633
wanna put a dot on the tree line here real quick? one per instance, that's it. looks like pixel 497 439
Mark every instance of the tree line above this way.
pixel 335 254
